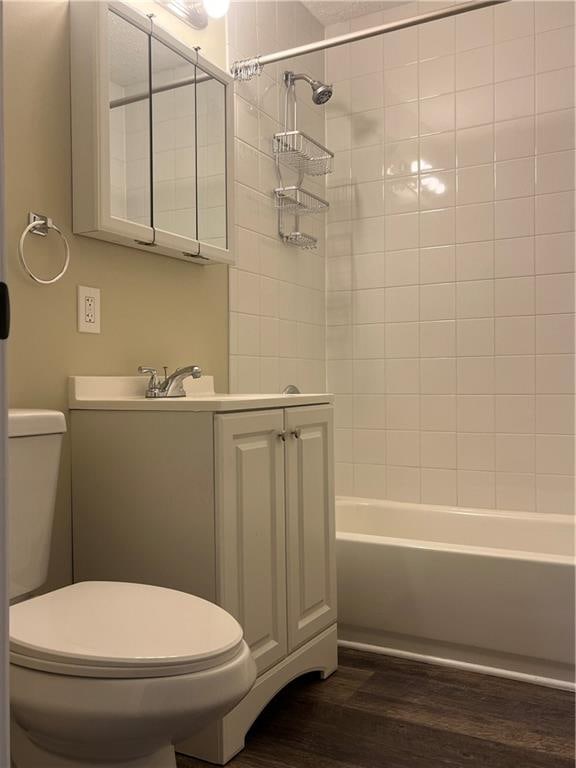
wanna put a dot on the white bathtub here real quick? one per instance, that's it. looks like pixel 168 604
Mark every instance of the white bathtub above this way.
pixel 465 586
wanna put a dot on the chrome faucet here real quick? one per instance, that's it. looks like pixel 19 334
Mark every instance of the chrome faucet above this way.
pixel 171 385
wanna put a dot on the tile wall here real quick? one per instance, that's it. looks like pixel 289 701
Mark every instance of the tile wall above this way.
pixel 450 259
pixel 277 292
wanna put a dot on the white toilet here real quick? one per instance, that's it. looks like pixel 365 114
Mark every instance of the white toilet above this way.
pixel 103 674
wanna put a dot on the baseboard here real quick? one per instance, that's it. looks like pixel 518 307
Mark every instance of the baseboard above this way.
pixel 467 666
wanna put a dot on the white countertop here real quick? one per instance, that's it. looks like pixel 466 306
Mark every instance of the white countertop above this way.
pixel 126 393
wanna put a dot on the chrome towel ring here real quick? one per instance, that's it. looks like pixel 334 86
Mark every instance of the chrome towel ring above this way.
pixel 40 225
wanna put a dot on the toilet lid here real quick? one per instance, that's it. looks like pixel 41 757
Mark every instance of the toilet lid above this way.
pixel 118 629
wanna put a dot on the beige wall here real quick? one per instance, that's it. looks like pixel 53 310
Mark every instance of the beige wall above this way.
pixel 155 310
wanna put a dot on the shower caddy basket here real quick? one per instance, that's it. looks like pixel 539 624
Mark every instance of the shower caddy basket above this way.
pixel 307 157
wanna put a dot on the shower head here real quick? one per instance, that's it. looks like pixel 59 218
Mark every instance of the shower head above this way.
pixel 321 92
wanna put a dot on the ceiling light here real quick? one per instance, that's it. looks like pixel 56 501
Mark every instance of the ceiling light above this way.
pixel 192 12
pixel 216 8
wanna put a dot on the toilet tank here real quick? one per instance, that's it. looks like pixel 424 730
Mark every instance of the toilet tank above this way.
pixel 34 443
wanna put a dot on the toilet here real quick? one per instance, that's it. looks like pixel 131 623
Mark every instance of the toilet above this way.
pixel 103 674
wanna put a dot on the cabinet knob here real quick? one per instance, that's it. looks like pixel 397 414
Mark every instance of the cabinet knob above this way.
pixel 296 433
pixel 282 436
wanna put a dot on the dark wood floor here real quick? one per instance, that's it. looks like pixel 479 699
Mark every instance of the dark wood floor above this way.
pixel 381 712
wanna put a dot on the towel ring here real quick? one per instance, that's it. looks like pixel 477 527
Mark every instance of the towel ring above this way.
pixel 39 225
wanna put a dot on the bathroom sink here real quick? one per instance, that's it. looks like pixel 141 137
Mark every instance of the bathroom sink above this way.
pixel 127 393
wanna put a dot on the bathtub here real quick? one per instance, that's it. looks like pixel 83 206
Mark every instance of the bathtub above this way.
pixel 467 587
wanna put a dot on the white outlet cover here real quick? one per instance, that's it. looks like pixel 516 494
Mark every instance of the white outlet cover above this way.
pixel 88 309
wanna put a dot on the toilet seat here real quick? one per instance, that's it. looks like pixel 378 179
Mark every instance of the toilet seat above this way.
pixel 121 630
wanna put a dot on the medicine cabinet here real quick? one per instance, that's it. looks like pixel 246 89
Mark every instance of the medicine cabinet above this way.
pixel 152 137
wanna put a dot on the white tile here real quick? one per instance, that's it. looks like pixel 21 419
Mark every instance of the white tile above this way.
pixel 369 377
pixel 401 267
pixel 343 446
pixel 437 301
pixel 401 304
pixel 401 231
pixel 515 491
pixel 403 376
pixel 554 374
pixel 475 337
pixel 438 375
pixel 401 195
pixel 344 479
pixel 475 261
pixel 515 19
pixel 475 106
pixel 554 14
pixel 400 85
pixel 339 376
pixel 514 138
pixel 475 375
pixel 514 218
pixel 438 450
pixel 514 296
pixel 514 375
pixel 438 413
pixel 370 481
pixel 475 299
pixel 365 56
pixel 514 336
pixel 369 412
pixel 402 448
pixel 474 222
pixel 515 414
pixel 437 189
pixel 554 334
pixel 367 164
pixel 515 178
pixel 476 489
pixel 475 413
pixel 402 412
pixel 368 236
pixel 475 146
pixel 368 306
pixel 555 131
pixel 437 114
pixel 555 90
pixel 437 152
pixel 401 121
pixel 555 493
pixel 368 200
pixel 555 414
pixel 515 453
pixel 476 451
pixel 436 76
pixel 401 158
pixel 437 265
pixel 400 48
pixel 514 98
pixel 514 257
pixel 367 92
pixel 436 38
pixel 403 483
pixel 338 133
pixel 401 340
pixel 369 340
pixel 474 29
pixel 475 184
pixel 555 253
pixel 437 227
pixel 555 454
pixel 438 338
pixel 369 446
pixel 474 68
pixel 514 58
pixel 554 294
pixel 439 486
pixel 555 49
pixel 555 172
pixel 554 213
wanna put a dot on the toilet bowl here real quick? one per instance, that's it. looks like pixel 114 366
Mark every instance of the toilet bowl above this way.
pixel 109 673
pixel 104 674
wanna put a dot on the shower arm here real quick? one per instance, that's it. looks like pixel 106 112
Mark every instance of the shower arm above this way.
pixel 246 69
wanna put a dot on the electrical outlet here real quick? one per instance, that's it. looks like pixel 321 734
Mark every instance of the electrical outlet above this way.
pixel 88 309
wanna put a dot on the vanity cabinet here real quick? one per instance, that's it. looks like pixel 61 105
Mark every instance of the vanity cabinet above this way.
pixel 236 506
pixel 152 136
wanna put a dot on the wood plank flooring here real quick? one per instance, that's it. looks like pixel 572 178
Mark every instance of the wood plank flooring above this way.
pixel 382 712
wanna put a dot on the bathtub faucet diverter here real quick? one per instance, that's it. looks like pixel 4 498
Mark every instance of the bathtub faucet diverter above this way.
pixel 172 384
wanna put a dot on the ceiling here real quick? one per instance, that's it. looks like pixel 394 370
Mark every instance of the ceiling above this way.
pixel 333 11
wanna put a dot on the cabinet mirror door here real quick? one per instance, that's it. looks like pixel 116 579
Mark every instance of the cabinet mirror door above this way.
pixel 211 162
pixel 174 143
pixel 129 121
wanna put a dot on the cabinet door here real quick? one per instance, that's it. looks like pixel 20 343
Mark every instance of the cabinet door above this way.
pixel 250 533
pixel 311 570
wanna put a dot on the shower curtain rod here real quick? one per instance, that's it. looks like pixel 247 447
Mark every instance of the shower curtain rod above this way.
pixel 246 69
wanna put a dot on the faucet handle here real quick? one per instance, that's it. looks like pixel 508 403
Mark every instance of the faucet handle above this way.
pixel 152 388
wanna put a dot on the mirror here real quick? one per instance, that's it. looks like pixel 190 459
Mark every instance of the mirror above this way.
pixel 211 128
pixel 129 101
pixel 174 141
